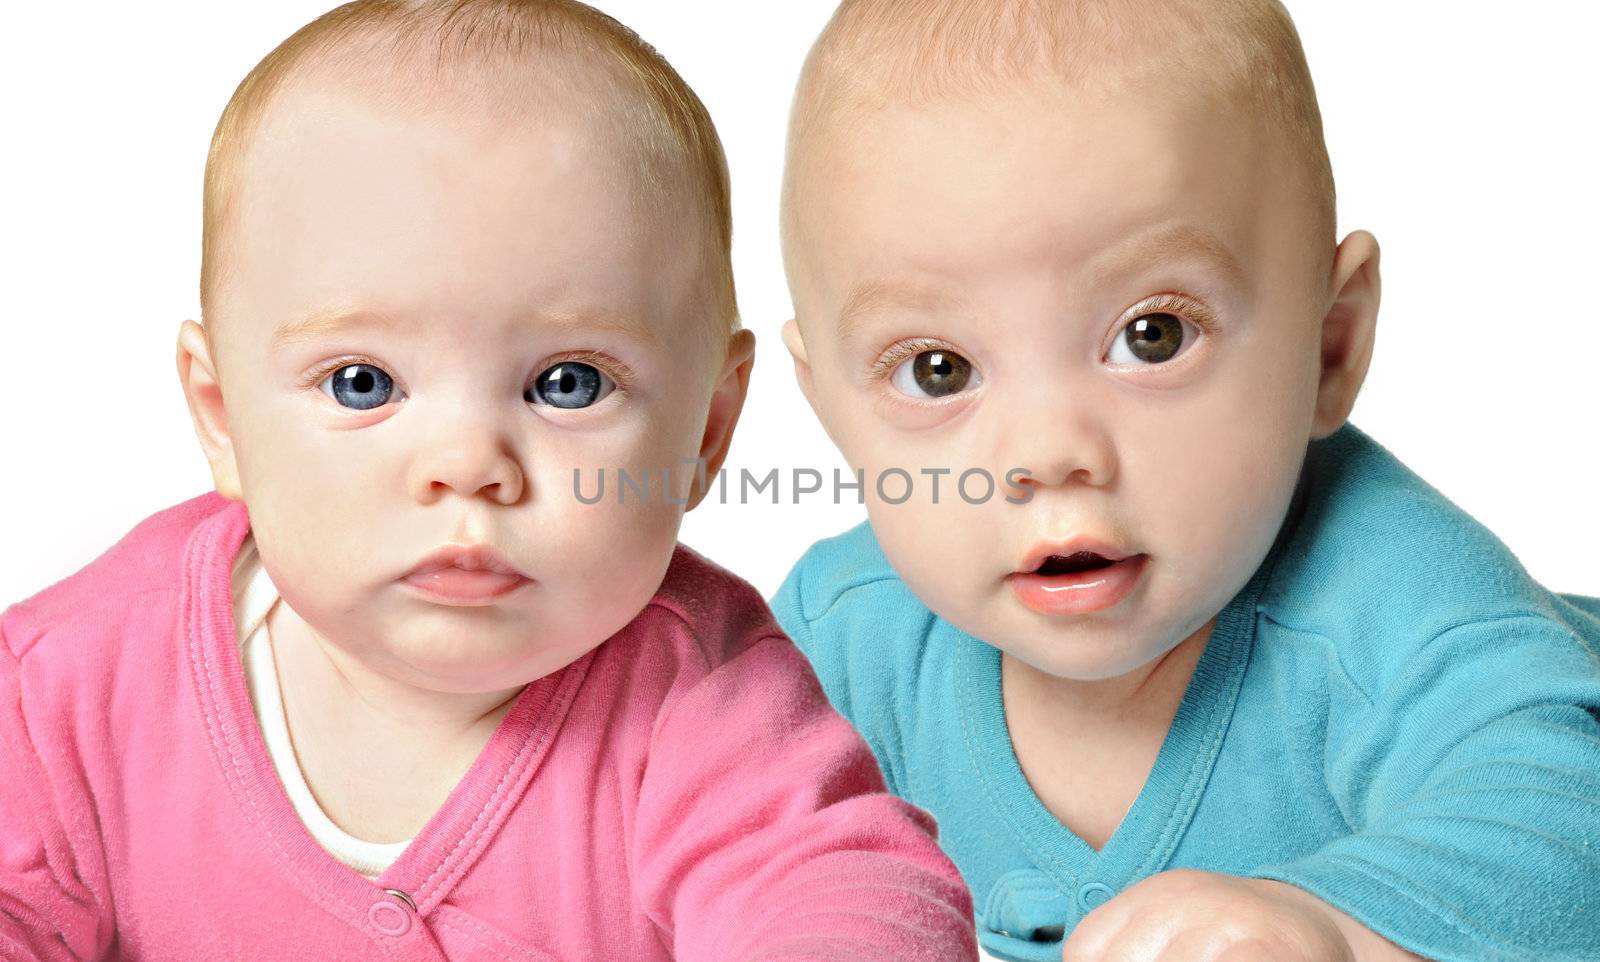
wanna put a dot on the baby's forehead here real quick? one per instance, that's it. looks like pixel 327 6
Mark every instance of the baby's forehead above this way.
pixel 344 130
pixel 1240 56
pixel 329 148
pixel 497 93
pixel 412 77
pixel 1035 153
pixel 464 94
pixel 980 202
pixel 1184 106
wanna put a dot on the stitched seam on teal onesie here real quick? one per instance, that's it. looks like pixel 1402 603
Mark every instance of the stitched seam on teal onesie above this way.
pixel 1216 729
pixel 1398 882
pixel 996 805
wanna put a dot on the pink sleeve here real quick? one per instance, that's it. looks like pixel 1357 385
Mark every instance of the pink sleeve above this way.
pixel 763 830
pixel 47 911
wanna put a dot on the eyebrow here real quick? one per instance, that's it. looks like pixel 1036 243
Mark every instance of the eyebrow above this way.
pixel 322 324
pixel 873 296
pixel 1174 242
pixel 1170 243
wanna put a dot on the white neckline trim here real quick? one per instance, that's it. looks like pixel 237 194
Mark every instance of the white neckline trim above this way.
pixel 254 596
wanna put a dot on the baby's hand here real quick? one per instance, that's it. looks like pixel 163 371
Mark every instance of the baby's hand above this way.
pixel 1192 916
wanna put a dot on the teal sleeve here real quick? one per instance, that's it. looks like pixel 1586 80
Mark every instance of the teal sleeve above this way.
pixel 790 612
pixel 1472 785
pixel 1587 605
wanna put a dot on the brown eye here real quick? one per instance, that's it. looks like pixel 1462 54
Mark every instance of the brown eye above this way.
pixel 938 373
pixel 1151 339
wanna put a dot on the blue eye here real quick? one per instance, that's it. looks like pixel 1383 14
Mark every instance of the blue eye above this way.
pixel 361 387
pixel 570 384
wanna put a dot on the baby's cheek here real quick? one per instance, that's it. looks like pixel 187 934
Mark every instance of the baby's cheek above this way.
pixel 947 553
pixel 307 541
pixel 613 557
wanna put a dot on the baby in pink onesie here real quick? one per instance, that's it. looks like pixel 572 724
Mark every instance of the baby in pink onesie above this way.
pixel 402 687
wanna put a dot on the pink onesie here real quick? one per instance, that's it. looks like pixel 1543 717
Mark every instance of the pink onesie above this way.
pixel 682 791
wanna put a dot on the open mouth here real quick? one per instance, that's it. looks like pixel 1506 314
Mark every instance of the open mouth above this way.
pixel 1072 564
pixel 1077 583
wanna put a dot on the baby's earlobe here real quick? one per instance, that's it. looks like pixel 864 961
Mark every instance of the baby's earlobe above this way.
pixel 792 340
pixel 802 364
pixel 202 389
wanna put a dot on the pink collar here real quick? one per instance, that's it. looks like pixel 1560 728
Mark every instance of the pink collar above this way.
pixel 446 847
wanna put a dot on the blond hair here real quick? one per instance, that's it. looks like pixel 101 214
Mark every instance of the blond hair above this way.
pixel 673 125
pixel 875 52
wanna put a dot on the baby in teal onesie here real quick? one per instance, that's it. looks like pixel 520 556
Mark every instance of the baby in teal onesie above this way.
pixel 1187 666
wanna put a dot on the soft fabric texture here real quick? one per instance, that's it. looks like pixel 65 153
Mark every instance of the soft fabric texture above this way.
pixel 254 596
pixel 682 791
pixel 1391 715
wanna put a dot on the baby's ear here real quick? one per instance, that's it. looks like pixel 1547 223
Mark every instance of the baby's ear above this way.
pixel 727 400
pixel 1348 330
pixel 197 372
pixel 802 364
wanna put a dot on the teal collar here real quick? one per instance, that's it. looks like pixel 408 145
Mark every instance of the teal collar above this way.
pixel 1026 911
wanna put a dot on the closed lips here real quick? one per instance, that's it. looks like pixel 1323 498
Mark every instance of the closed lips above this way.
pixel 466 576
pixel 466 558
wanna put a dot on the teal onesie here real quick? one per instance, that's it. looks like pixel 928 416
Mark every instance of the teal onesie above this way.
pixel 1391 715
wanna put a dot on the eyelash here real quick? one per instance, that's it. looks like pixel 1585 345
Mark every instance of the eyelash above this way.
pixel 899 351
pixel 1180 304
pixel 1168 303
pixel 315 376
pixel 621 374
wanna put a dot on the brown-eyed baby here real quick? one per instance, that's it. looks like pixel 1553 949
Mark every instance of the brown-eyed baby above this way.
pixel 1187 666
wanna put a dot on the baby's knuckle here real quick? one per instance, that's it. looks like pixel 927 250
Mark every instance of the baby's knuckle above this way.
pixel 1180 883
pixel 1261 948
pixel 1076 952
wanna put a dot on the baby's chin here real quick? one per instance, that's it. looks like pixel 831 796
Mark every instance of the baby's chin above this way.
pixel 472 669
pixel 1081 648
pixel 1099 657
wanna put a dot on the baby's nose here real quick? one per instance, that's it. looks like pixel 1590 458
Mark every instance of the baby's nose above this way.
pixel 1062 446
pixel 469 466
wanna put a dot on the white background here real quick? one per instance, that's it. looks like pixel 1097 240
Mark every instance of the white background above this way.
pixel 1462 134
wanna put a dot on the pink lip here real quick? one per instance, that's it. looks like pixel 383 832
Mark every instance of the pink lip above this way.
pixel 1080 593
pixel 465 575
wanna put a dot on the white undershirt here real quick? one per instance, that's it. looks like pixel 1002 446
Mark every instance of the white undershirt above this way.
pixel 254 596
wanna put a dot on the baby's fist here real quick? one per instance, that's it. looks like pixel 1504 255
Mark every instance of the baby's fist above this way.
pixel 1191 916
